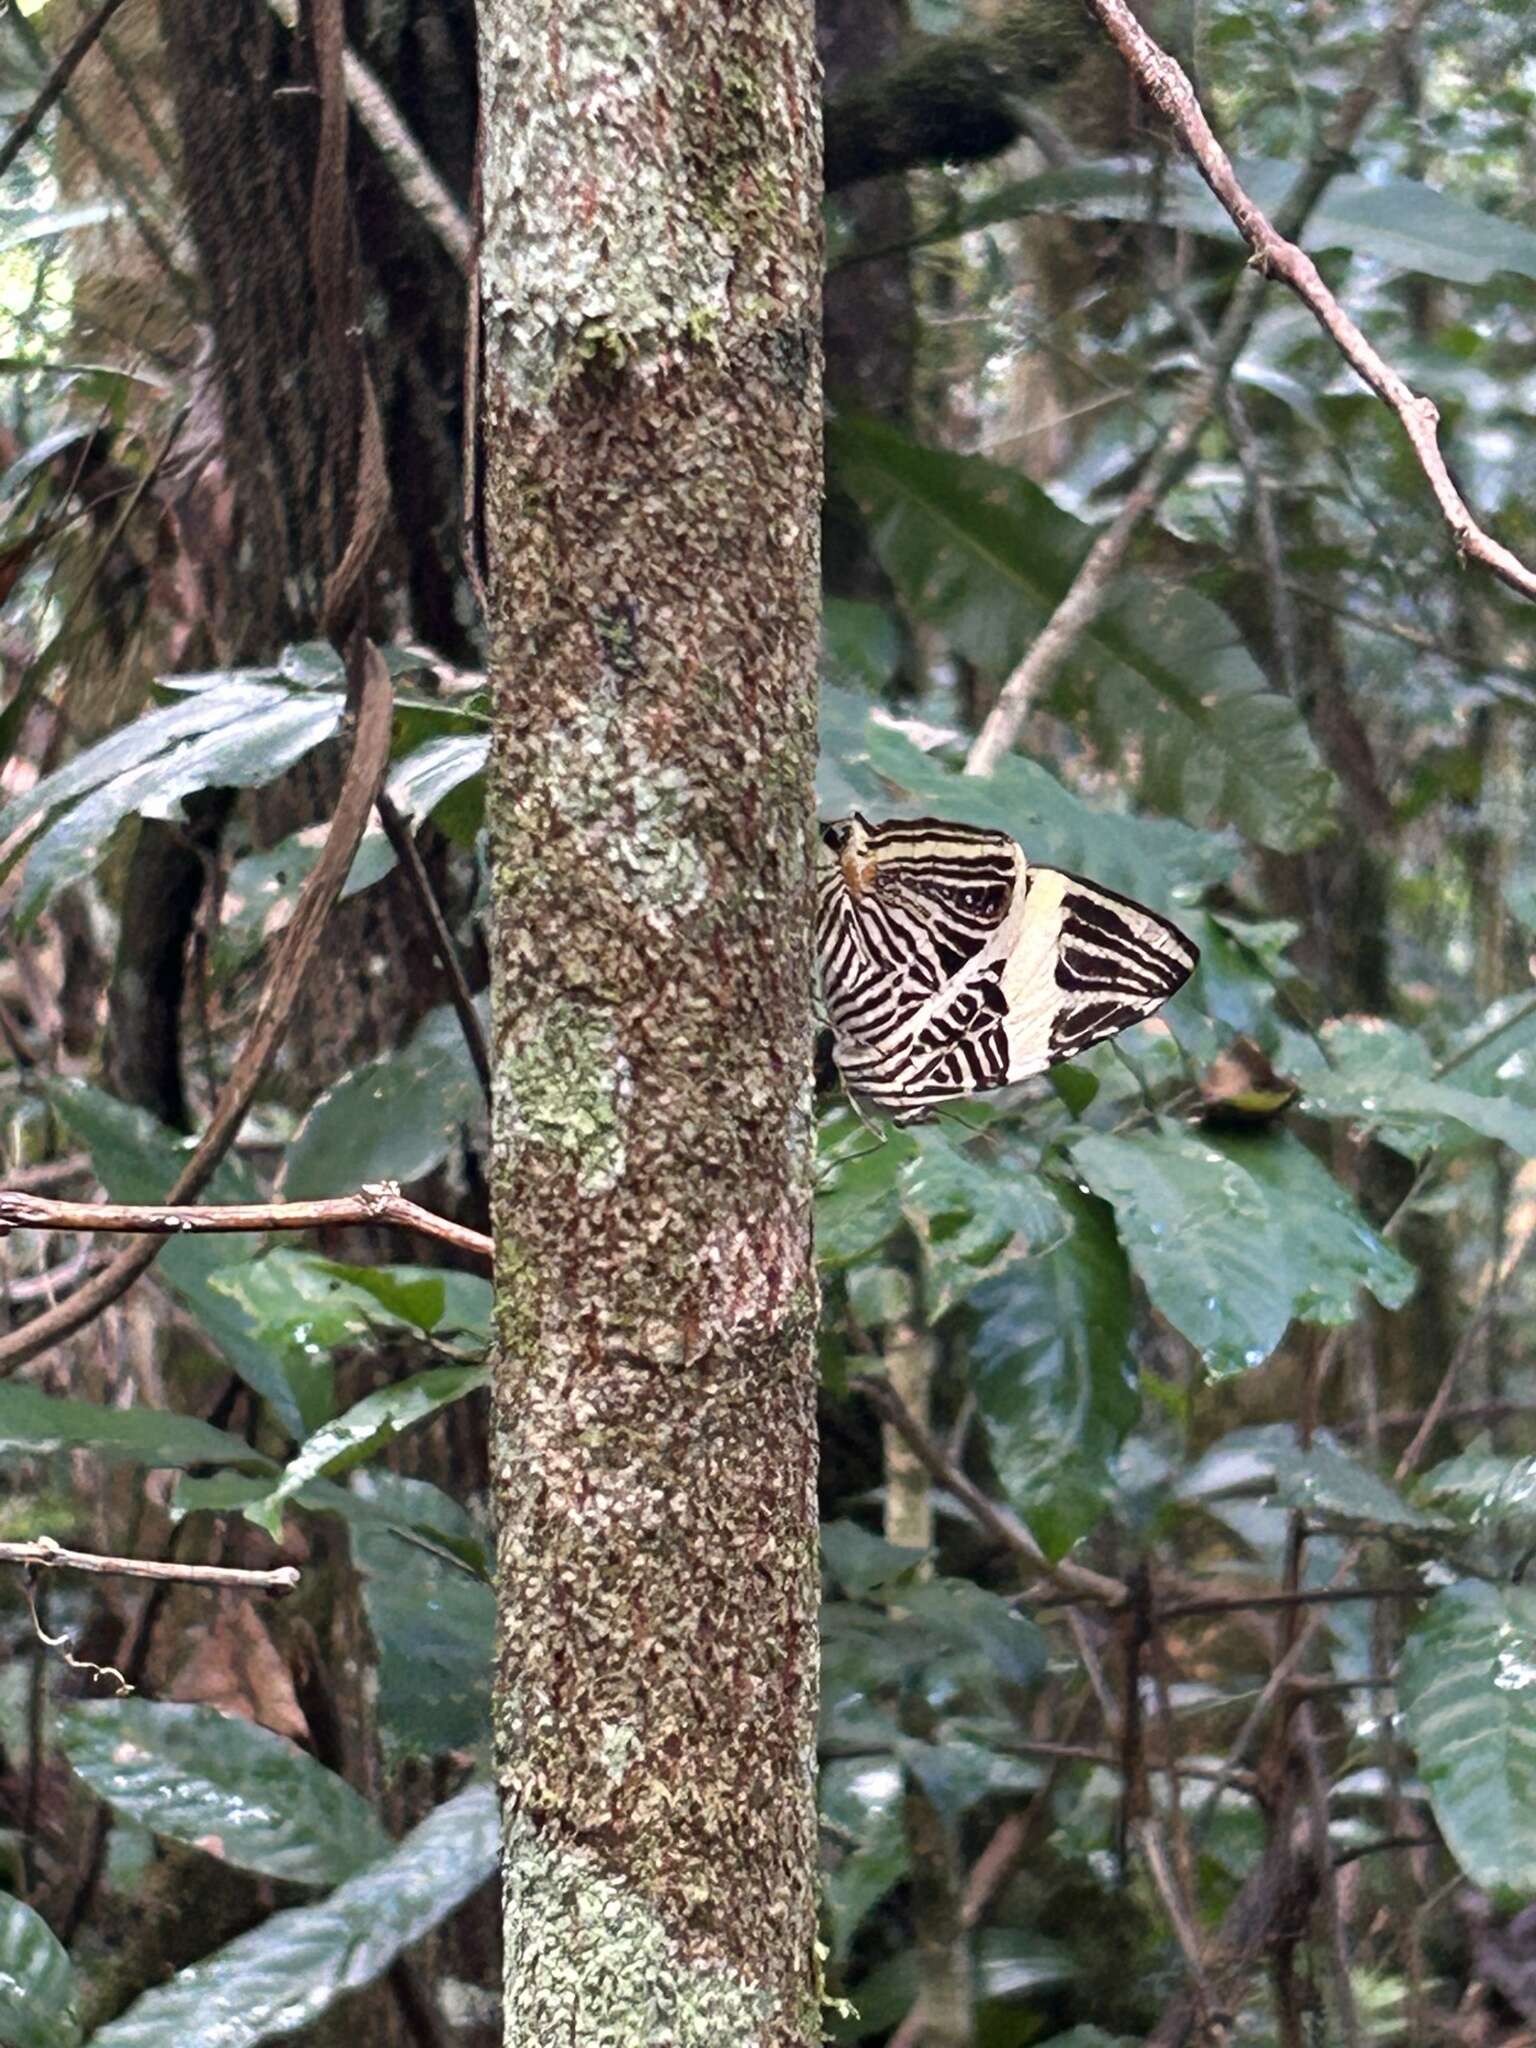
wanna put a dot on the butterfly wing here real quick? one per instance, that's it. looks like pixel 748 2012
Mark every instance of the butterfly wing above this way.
pixel 950 965
pixel 1088 963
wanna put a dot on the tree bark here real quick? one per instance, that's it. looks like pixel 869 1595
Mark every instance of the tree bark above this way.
pixel 652 407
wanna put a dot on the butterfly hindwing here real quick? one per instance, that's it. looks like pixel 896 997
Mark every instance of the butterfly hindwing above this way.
pixel 950 965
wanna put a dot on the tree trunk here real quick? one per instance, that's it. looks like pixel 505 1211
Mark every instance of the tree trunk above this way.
pixel 652 409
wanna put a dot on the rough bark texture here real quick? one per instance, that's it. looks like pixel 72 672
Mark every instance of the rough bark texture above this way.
pixel 652 409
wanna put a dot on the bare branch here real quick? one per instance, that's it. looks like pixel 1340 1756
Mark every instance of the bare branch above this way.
pixel 1164 82
pixel 378 1202
pixel 41 1553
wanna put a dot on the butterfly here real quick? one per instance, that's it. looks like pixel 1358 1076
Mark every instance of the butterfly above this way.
pixel 951 964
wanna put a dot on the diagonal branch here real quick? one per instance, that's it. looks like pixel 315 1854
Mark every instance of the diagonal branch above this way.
pixel 1164 82
pixel 1077 1581
pixel 54 85
pixel 379 1202
pixel 1090 588
pixel 400 836
pixel 373 706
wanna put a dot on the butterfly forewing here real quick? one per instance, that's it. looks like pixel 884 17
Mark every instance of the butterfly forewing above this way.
pixel 950 965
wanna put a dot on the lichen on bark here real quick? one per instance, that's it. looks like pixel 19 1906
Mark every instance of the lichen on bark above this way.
pixel 652 406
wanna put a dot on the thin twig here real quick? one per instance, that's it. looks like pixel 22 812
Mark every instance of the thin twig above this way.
pixel 41 1553
pixel 1164 82
pixel 373 709
pixel 1076 1580
pixel 378 1202
pixel 54 85
pixel 408 854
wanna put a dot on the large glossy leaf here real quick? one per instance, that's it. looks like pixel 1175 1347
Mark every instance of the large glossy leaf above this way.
pixel 34 1422
pixel 367 1428
pixel 145 739
pixel 433 1624
pixel 137 1160
pixel 1382 1077
pixel 39 1998
pixel 1234 1236
pixel 1052 1373
pixel 224 1785
pixel 249 748
pixel 1397 221
pixel 984 555
pixel 1468 1694
pixel 283 1974
pixel 393 1119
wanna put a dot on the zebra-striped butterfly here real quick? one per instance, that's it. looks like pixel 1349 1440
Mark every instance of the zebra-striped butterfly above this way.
pixel 950 963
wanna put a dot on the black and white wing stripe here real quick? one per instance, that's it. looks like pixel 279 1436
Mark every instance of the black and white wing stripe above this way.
pixel 1089 963
pixel 950 965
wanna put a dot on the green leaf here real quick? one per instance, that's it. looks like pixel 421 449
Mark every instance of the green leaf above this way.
pixel 1382 1078
pixel 1325 1480
pixel 285 1288
pixel 973 1215
pixel 893 774
pixel 862 1797
pixel 367 1428
pixel 858 1193
pixel 1395 221
pixel 861 1562
pixel 984 555
pixel 137 1160
pixel 39 1998
pixel 1468 1694
pixel 968 1618
pixel 283 1974
pixel 393 1119
pixel 1236 1235
pixel 444 780
pixel 1053 1377
pixel 433 1625
pixel 244 752
pixel 860 644
pixel 221 1784
pixel 34 1422
pixel 428 1297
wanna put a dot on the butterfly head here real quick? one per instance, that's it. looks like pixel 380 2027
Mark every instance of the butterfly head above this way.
pixel 847 840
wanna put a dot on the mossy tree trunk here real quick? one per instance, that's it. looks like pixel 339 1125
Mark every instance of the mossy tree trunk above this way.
pixel 652 414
